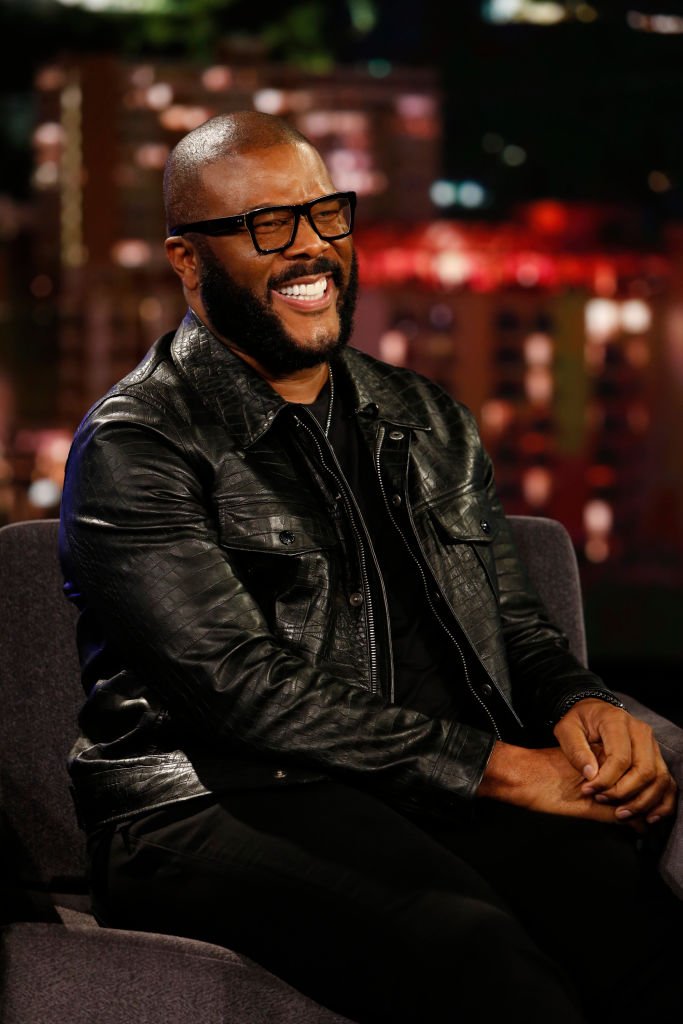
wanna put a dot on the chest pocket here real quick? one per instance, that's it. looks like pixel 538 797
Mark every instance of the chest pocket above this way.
pixel 283 556
pixel 467 525
pixel 260 525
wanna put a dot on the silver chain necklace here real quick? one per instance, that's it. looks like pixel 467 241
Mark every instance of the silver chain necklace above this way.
pixel 328 421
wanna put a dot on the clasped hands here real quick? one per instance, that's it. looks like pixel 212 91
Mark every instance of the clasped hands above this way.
pixel 619 760
pixel 608 767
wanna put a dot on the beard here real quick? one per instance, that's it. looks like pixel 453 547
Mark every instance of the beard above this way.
pixel 249 322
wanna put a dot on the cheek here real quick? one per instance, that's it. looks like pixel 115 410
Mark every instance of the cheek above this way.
pixel 345 256
pixel 255 279
pixel 249 270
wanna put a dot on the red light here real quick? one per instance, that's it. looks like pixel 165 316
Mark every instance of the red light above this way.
pixel 548 217
pixel 533 444
pixel 600 476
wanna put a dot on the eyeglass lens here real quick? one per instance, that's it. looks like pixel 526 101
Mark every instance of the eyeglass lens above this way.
pixel 331 218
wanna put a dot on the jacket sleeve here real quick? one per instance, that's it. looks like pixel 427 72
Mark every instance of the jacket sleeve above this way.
pixel 544 673
pixel 139 544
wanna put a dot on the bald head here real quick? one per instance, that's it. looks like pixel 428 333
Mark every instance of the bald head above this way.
pixel 219 138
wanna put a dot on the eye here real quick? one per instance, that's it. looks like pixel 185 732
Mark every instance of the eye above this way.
pixel 332 216
pixel 328 212
pixel 274 220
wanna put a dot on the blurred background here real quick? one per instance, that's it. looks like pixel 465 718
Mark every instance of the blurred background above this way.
pixel 519 165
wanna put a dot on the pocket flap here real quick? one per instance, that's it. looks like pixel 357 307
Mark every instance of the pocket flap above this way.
pixel 255 524
pixel 466 517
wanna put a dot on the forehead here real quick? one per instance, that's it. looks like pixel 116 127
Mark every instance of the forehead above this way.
pixel 278 175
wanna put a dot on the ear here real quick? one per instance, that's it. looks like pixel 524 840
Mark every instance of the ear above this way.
pixel 184 260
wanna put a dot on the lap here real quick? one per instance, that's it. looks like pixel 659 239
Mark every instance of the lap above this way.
pixel 335 891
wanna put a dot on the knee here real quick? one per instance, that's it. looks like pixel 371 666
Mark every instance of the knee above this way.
pixel 440 927
pixel 460 945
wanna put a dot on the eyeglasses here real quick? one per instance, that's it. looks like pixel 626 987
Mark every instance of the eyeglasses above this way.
pixel 274 228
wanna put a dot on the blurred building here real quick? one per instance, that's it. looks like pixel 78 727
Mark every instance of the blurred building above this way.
pixel 568 350
pixel 568 353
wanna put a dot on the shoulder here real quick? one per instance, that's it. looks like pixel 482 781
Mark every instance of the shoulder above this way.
pixel 153 392
pixel 142 421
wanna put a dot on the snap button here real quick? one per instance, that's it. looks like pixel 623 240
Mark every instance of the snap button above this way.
pixel 486 689
pixel 396 435
pixel 287 537
pixel 485 525
pixel 280 774
pixel 371 410
pixel 396 500
pixel 356 599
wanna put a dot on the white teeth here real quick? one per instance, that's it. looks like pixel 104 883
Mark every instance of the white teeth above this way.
pixel 305 291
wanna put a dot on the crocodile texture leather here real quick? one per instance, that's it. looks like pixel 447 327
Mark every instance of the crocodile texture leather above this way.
pixel 221 637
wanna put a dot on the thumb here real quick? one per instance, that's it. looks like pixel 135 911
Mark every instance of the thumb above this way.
pixel 576 748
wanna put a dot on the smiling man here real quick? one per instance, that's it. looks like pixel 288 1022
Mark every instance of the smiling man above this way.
pixel 328 723
pixel 284 302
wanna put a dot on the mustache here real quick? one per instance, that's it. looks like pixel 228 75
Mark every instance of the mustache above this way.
pixel 309 269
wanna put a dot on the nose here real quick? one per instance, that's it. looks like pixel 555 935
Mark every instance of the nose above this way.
pixel 306 241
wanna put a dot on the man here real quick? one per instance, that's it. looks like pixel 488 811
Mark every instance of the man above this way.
pixel 321 696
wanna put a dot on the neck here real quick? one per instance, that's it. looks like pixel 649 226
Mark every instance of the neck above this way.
pixel 302 386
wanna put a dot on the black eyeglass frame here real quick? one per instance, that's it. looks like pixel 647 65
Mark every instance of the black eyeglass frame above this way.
pixel 219 226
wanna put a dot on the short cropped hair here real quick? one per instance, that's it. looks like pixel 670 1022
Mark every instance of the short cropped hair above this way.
pixel 218 138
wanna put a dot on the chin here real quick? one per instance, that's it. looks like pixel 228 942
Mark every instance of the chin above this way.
pixel 313 336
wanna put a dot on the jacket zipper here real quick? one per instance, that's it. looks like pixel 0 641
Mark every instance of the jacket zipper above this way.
pixel 423 576
pixel 352 511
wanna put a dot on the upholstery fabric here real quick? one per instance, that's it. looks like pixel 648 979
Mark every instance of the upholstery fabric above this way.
pixel 41 698
pixel 547 554
pixel 52 975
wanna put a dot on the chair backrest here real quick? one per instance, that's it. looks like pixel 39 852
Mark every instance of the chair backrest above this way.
pixel 546 551
pixel 41 695
pixel 41 692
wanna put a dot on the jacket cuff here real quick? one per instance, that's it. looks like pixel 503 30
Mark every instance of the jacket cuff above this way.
pixel 462 762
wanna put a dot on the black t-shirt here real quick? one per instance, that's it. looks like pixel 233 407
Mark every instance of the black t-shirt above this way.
pixel 428 673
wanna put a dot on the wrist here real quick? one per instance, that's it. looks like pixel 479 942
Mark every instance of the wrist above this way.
pixel 502 773
pixel 568 703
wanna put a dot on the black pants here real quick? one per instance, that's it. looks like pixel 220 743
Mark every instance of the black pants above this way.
pixel 501 915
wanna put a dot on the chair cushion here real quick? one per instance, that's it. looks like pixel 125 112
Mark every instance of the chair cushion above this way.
pixel 52 975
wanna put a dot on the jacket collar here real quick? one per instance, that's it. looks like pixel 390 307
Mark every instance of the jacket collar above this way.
pixel 247 403
pixel 378 391
pixel 224 382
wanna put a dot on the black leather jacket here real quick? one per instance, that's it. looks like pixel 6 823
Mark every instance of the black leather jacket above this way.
pixel 229 635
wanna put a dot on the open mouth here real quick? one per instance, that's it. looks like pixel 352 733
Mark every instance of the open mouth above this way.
pixel 315 290
pixel 307 293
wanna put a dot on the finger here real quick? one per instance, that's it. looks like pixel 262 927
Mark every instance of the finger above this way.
pixel 571 736
pixel 646 767
pixel 655 802
pixel 631 784
pixel 618 752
